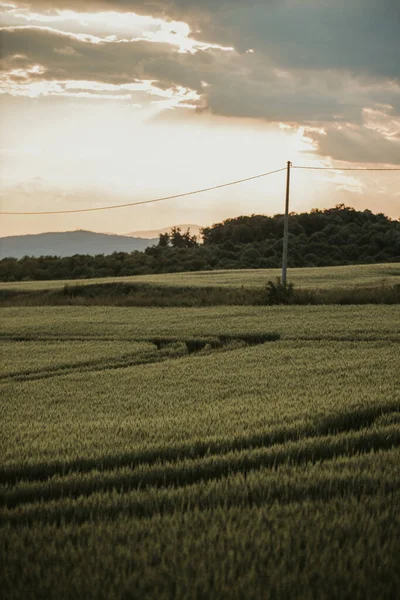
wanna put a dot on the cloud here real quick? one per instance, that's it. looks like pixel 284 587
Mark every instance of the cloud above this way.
pixel 231 84
pixel 358 144
pixel 361 35
pixel 330 66
pixel 93 58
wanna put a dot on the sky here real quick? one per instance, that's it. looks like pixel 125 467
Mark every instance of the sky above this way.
pixel 104 102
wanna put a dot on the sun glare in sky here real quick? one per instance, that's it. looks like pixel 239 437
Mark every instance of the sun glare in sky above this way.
pixel 102 108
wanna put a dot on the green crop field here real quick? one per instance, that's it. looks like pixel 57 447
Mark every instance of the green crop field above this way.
pixel 323 278
pixel 207 453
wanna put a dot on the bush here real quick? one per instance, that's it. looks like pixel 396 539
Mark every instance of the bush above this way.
pixel 279 293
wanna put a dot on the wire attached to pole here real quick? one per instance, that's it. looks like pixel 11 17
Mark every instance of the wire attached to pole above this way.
pixel 192 193
pixel 343 169
pixel 209 189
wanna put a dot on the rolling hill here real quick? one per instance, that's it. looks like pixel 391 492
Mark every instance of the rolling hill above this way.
pixel 69 243
pixel 154 233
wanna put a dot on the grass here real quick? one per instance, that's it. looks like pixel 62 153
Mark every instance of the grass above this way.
pixel 105 324
pixel 217 452
pixel 100 415
pixel 361 284
pixel 123 294
pixel 315 278
pixel 228 552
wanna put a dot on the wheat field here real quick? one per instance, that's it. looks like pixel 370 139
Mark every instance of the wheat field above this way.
pixel 220 452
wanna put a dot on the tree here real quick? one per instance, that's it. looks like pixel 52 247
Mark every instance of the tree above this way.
pixel 334 236
pixel 182 240
pixel 164 240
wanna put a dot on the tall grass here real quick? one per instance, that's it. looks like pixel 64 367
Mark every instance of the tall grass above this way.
pixel 124 294
pixel 174 453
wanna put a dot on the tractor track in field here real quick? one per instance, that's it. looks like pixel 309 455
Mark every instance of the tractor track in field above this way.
pixel 361 420
pixel 206 491
pixel 162 344
pixel 164 349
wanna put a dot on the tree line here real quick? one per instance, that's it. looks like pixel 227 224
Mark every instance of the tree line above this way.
pixel 335 236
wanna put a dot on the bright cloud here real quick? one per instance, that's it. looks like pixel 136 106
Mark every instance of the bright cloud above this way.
pixel 186 90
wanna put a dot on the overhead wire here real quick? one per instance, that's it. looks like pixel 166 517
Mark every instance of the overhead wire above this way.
pixel 344 168
pixel 191 193
pixel 208 189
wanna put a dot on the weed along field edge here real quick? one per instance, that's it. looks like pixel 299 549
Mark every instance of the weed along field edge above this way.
pixel 306 278
pixel 363 284
pixel 200 452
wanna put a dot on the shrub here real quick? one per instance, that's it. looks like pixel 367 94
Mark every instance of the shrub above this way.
pixel 279 293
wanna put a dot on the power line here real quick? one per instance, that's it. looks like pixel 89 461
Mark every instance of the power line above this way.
pixel 192 193
pixel 209 189
pixel 342 169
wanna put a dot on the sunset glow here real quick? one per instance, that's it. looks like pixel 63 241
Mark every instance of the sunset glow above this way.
pixel 118 105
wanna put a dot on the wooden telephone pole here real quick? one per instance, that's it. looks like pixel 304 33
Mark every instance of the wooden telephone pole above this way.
pixel 286 227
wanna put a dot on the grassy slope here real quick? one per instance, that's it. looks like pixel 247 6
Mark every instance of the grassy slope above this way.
pixel 130 324
pixel 309 278
pixel 257 470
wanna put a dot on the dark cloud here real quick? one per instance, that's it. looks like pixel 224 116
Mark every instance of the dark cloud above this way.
pixel 297 97
pixel 171 8
pixel 358 144
pixel 315 62
pixel 238 85
pixel 360 36
pixel 68 57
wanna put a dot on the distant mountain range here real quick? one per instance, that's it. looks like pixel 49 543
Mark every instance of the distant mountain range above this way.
pixel 154 233
pixel 68 243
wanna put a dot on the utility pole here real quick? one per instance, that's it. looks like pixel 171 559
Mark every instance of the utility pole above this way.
pixel 286 226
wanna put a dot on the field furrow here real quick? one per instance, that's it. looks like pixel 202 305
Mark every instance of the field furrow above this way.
pixel 327 429
pixel 211 467
pixel 176 453
pixel 146 352
pixel 355 476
